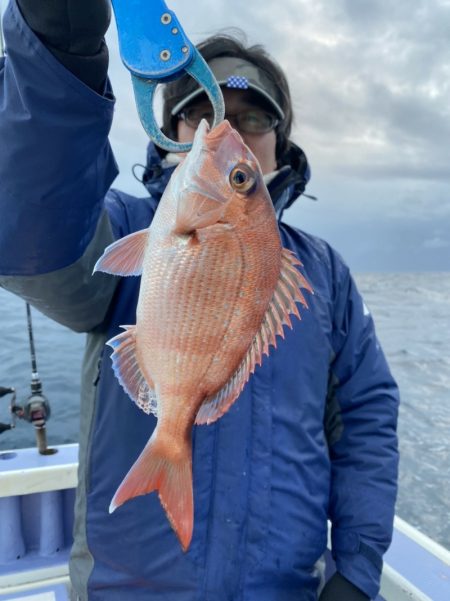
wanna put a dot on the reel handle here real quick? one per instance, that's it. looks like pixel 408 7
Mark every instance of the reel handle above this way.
pixel 4 391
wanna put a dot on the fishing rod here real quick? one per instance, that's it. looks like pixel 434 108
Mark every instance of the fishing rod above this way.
pixel 2 43
pixel 36 409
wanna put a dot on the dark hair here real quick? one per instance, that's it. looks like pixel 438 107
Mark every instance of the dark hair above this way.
pixel 230 45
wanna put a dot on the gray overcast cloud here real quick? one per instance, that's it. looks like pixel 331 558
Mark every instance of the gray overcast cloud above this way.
pixel 370 81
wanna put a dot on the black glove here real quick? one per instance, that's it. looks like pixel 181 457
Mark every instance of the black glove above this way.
pixel 73 31
pixel 339 588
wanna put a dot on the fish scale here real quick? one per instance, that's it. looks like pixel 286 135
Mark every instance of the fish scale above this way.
pixel 192 330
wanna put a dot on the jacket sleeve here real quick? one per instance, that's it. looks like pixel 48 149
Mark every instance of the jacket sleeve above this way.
pixel 56 166
pixel 73 31
pixel 362 443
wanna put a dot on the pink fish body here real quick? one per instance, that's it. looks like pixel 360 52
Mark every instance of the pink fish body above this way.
pixel 216 289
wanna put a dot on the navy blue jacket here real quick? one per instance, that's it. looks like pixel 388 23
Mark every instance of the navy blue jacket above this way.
pixel 312 436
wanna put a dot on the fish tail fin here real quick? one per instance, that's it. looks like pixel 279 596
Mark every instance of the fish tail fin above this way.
pixel 171 476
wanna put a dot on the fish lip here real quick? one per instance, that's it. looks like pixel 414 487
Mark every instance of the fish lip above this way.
pixel 203 127
pixel 202 131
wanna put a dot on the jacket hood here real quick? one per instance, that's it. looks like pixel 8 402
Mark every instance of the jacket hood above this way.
pixel 285 187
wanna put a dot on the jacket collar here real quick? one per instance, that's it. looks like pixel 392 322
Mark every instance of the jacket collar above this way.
pixel 288 184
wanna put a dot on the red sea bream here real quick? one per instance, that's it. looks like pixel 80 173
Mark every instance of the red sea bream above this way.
pixel 216 289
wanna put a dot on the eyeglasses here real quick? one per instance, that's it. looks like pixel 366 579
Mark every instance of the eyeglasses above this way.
pixel 251 121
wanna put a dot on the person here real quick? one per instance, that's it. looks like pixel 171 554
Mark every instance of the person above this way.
pixel 313 434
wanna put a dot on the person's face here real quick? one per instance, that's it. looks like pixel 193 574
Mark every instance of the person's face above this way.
pixel 262 145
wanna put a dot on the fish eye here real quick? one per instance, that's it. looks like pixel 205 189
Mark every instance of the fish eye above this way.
pixel 242 178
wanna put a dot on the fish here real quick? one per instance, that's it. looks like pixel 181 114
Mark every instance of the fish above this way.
pixel 216 289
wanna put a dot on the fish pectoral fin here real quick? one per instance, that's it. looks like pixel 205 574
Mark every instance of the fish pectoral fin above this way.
pixel 125 256
pixel 171 477
pixel 287 292
pixel 128 372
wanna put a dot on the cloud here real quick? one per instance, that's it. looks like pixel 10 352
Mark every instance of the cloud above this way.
pixel 418 203
pixel 436 242
pixel 371 81
pixel 370 84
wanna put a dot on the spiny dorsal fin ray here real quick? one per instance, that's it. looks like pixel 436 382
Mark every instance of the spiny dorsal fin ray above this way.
pixel 286 293
pixel 277 326
pixel 125 256
pixel 128 372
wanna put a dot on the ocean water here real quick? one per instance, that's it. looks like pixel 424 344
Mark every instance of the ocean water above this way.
pixel 412 316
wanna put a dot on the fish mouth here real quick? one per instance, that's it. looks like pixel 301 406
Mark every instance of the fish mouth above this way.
pixel 194 180
pixel 221 130
pixel 198 187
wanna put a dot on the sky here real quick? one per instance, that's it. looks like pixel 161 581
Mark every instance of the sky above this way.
pixel 370 81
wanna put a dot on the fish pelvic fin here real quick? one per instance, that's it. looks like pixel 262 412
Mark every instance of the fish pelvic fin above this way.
pixel 128 372
pixel 170 473
pixel 125 256
pixel 286 294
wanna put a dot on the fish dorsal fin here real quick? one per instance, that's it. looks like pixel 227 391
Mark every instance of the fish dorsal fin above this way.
pixel 283 303
pixel 125 256
pixel 128 372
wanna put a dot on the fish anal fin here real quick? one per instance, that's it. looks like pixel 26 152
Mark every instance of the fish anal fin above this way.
pixel 125 256
pixel 128 372
pixel 171 476
pixel 283 304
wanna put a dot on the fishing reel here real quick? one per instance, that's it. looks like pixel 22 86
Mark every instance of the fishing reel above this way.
pixel 36 408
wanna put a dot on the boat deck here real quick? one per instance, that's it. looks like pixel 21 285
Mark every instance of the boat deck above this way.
pixel 37 495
